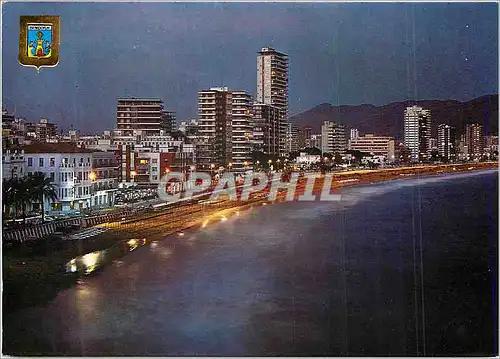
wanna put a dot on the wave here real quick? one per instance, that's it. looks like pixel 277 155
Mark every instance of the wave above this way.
pixel 354 195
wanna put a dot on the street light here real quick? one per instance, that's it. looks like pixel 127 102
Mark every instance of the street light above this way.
pixel 212 166
pixel 229 165
pixel 92 178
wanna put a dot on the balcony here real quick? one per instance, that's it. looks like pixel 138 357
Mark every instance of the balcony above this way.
pixel 75 165
pixel 104 165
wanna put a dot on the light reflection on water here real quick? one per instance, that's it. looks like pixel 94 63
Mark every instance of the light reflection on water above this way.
pixel 89 262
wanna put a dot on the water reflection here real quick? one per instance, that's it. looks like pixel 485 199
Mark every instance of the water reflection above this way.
pixel 89 262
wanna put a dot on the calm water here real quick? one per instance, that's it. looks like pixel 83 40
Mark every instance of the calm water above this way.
pixel 400 268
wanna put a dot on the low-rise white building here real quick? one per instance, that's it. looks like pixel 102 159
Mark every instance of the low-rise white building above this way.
pixel 83 178
pixel 304 159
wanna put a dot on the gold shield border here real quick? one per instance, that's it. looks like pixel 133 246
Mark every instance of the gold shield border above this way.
pixel 23 41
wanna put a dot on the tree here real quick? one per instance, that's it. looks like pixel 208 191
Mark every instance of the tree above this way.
pixel 7 197
pixel 358 155
pixel 293 155
pixel 311 151
pixel 16 195
pixel 42 188
pixel 337 158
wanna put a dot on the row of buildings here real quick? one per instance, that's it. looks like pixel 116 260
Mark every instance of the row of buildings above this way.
pixel 417 146
pixel 146 143
pixel 231 124
pixel 471 144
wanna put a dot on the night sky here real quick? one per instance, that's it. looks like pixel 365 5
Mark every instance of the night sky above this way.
pixel 344 54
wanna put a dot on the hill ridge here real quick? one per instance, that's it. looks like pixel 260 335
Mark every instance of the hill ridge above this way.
pixel 388 119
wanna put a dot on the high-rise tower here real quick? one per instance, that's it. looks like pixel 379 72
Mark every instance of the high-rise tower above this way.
pixel 417 132
pixel 272 86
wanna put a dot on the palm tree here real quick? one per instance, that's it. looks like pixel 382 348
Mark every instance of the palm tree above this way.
pixel 17 195
pixel 42 188
pixel 7 197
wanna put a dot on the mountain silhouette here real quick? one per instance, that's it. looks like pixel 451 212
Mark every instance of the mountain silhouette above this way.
pixel 388 119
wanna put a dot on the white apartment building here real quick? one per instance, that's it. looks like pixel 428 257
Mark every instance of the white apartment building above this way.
pixel 417 132
pixel 354 133
pixel 83 178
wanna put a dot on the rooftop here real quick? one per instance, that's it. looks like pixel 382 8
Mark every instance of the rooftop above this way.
pixel 43 147
pixel 139 99
pixel 270 50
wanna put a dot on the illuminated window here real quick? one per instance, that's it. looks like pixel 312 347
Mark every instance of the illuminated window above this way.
pixel 143 162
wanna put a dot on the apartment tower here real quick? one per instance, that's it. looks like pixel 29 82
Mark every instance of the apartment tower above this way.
pixel 417 132
pixel 140 116
pixel 446 142
pixel 241 130
pixel 214 128
pixel 272 86
pixel 474 140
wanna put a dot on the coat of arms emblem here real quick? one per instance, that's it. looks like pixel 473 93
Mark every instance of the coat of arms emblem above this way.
pixel 39 41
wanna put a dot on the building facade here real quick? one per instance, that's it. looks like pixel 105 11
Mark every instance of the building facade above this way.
pixel 272 86
pixel 83 178
pixel 266 129
pixel 375 145
pixel 354 133
pixel 242 131
pixel 446 142
pixel 13 164
pixel 169 121
pixel 474 140
pixel 333 137
pixel 292 138
pixel 315 141
pixel 136 116
pixel 491 145
pixel 214 140
pixel 45 130
pixel 417 132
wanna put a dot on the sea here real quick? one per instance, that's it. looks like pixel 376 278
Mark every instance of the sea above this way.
pixel 401 268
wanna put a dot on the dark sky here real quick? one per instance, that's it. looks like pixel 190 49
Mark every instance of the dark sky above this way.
pixel 339 53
